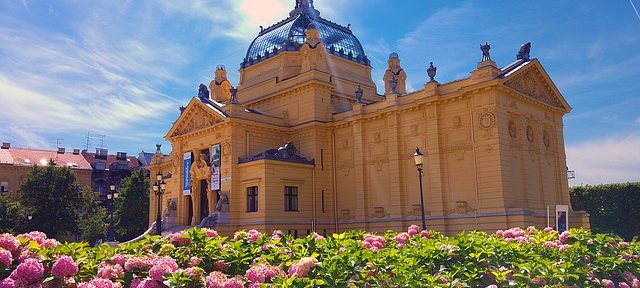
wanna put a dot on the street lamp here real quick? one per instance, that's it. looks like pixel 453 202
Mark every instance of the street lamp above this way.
pixel 159 188
pixel 418 157
pixel 112 195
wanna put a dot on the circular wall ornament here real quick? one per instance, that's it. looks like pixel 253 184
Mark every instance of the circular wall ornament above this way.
pixel 487 120
pixel 530 134
pixel 512 129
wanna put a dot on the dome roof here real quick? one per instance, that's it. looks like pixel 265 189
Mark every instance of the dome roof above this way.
pixel 289 35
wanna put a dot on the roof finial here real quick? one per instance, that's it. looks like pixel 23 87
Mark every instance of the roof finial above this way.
pixel 304 7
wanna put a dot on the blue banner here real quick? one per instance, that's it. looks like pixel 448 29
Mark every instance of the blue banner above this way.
pixel 186 179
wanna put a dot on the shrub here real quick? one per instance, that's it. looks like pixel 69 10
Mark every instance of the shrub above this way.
pixel 202 258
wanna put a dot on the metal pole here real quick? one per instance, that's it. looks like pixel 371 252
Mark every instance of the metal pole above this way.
pixel 111 206
pixel 158 215
pixel 424 222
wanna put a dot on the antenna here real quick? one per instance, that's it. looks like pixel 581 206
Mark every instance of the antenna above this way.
pixel 58 142
pixel 94 140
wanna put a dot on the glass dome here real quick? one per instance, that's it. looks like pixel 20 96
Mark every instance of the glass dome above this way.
pixel 289 35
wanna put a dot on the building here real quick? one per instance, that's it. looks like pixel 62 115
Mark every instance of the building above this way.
pixel 16 163
pixel 109 169
pixel 304 142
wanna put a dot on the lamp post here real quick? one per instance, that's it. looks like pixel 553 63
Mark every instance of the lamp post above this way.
pixel 418 157
pixel 158 188
pixel 112 195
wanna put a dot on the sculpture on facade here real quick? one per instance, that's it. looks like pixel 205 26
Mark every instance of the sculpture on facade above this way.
pixel 523 54
pixel 223 202
pixel 203 93
pixel 431 72
pixel 220 85
pixel 359 94
pixel 395 77
pixel 313 51
pixel 200 171
pixel 485 51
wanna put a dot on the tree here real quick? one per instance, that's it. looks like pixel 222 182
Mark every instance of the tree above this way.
pixel 54 199
pixel 132 206
pixel 12 216
pixel 92 215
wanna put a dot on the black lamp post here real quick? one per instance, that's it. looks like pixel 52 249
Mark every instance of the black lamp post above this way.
pixel 418 157
pixel 112 195
pixel 158 188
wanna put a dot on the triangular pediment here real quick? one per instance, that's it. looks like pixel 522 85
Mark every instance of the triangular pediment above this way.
pixel 533 81
pixel 196 116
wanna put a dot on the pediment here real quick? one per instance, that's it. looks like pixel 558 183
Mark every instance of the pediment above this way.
pixel 534 82
pixel 195 117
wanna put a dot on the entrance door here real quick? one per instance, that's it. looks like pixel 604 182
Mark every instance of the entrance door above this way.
pixel 190 209
pixel 204 200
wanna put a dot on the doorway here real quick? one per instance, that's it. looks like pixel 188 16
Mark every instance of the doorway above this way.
pixel 190 209
pixel 204 200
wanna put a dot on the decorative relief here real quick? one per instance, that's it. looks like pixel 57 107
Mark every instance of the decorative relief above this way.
pixel 462 208
pixel 487 120
pixel 345 214
pixel 198 120
pixel 530 84
pixel 457 121
pixel 414 129
pixel 379 212
pixel 513 130
pixel 546 139
pixel 530 134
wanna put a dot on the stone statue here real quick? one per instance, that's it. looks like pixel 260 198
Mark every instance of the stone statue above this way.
pixel 200 170
pixel 203 93
pixel 359 94
pixel 485 51
pixel 223 203
pixel 313 51
pixel 395 77
pixel 431 72
pixel 523 54
pixel 220 86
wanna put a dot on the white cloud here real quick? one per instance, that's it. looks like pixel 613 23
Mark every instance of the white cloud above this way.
pixel 610 160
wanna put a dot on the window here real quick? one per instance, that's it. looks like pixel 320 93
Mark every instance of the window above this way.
pixel 252 199
pixel 290 198
pixel 4 187
pixel 99 166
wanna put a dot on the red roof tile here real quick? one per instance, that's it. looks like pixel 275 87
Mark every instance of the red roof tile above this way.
pixel 132 161
pixel 28 157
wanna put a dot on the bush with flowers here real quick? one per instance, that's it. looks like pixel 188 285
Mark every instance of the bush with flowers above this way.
pixel 414 258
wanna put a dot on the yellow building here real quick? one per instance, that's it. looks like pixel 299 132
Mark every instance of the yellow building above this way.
pixel 304 142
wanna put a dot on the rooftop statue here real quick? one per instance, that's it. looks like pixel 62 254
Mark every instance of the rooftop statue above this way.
pixel 203 93
pixel 395 78
pixel 220 86
pixel 485 51
pixel 313 51
pixel 524 52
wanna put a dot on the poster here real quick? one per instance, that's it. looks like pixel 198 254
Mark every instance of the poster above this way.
pixel 186 179
pixel 562 219
pixel 215 167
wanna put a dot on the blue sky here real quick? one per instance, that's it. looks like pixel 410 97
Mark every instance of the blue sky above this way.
pixel 122 68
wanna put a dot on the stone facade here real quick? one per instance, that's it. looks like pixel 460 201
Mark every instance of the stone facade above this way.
pixel 494 144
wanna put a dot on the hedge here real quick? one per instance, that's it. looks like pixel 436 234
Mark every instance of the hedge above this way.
pixel 613 208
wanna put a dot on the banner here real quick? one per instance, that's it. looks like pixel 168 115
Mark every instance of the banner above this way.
pixel 186 179
pixel 562 219
pixel 215 167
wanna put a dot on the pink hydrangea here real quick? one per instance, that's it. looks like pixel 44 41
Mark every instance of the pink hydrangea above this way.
pixel 302 267
pixel 138 263
pixel 119 259
pixel 148 283
pixel 100 283
pixel 8 242
pixel 492 286
pixel 254 235
pixel 28 272
pixel 35 236
pixel 216 279
pixel 6 258
pixel 194 261
pixel 162 266
pixel 413 230
pixel 262 273
pixel 635 283
pixel 211 233
pixel 548 229
pixel 235 282
pixel 317 236
pixel 64 267
pixel 624 285
pixel 180 238
pixel 424 234
pixel 608 283
pixel 276 234
pixel 7 283
pixel 221 266
pixel 373 242
pixel 564 237
pixel 623 244
pixel 402 239
pixel 110 271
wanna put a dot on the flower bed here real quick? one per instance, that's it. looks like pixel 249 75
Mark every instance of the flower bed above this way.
pixel 202 258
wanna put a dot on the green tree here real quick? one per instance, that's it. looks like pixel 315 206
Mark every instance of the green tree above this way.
pixel 54 198
pixel 132 206
pixel 12 216
pixel 92 215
